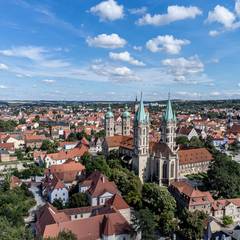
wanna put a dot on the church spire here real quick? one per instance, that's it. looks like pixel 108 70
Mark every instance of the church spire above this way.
pixel 140 114
pixel 169 114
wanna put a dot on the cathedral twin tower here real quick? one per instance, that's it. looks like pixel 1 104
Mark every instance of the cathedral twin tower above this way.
pixel 152 161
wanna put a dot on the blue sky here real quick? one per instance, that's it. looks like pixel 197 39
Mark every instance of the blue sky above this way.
pixel 113 49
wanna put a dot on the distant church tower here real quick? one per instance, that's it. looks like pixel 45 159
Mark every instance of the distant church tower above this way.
pixel 126 118
pixel 169 125
pixel 141 142
pixel 109 123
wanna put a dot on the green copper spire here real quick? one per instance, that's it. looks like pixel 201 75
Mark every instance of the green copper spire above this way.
pixel 126 114
pixel 169 114
pixel 109 113
pixel 140 114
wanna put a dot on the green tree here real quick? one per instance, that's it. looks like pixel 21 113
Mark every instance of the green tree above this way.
pixel 192 224
pixel 19 154
pixel 182 140
pixel 7 126
pixel 129 185
pixel 78 200
pixel 144 222
pixel 58 203
pixel 50 147
pixel 227 220
pixel 224 176
pixel 66 235
pixel 195 142
pixel 162 204
pixel 98 163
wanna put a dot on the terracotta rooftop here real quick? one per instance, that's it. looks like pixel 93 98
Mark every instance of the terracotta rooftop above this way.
pixel 196 155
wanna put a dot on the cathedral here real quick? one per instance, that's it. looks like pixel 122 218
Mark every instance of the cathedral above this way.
pixel 151 161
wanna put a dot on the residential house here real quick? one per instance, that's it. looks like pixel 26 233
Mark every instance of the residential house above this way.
pixel 189 132
pixel 61 156
pixel 101 222
pixel 69 172
pixel 98 188
pixel 190 197
pixel 53 188
pixel 34 141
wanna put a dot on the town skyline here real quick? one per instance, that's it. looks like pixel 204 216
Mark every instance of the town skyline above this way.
pixel 96 50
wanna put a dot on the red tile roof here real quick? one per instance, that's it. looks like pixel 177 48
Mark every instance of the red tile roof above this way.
pixel 195 155
pixel 67 172
pixel 99 184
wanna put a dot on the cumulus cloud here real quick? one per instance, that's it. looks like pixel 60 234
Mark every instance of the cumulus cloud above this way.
pixel 111 41
pixel 166 43
pixel 49 81
pixel 138 11
pixel 174 13
pixel 3 66
pixel 137 48
pixel 237 7
pixel 114 73
pixel 183 68
pixel 225 17
pixel 108 10
pixel 3 87
pixel 221 15
pixel 125 57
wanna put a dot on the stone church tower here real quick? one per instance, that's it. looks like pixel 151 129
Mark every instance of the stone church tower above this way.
pixel 109 123
pixel 126 119
pixel 141 142
pixel 169 126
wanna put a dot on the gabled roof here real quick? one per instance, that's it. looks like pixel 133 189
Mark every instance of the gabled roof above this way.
pixel 91 228
pixel 117 202
pixel 99 184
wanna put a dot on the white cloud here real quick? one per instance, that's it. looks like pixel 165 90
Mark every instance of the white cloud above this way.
pixel 167 44
pixel 114 73
pixel 125 57
pixel 215 93
pixel 40 55
pixel 49 81
pixel 3 87
pixel 184 68
pixel 225 17
pixel 221 15
pixel 189 94
pixel 30 52
pixel 174 13
pixel 214 33
pixel 237 7
pixel 3 66
pixel 138 11
pixel 108 10
pixel 137 48
pixel 111 41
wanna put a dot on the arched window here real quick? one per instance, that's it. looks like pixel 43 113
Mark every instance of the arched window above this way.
pixel 172 169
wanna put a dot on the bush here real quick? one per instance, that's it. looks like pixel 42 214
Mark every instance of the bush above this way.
pixel 227 220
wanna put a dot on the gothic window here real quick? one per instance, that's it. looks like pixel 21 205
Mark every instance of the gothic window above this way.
pixel 165 170
pixel 172 169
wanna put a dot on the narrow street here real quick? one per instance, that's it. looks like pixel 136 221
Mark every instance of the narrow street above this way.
pixel 39 202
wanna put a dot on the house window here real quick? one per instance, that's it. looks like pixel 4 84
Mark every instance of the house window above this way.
pixel 76 216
